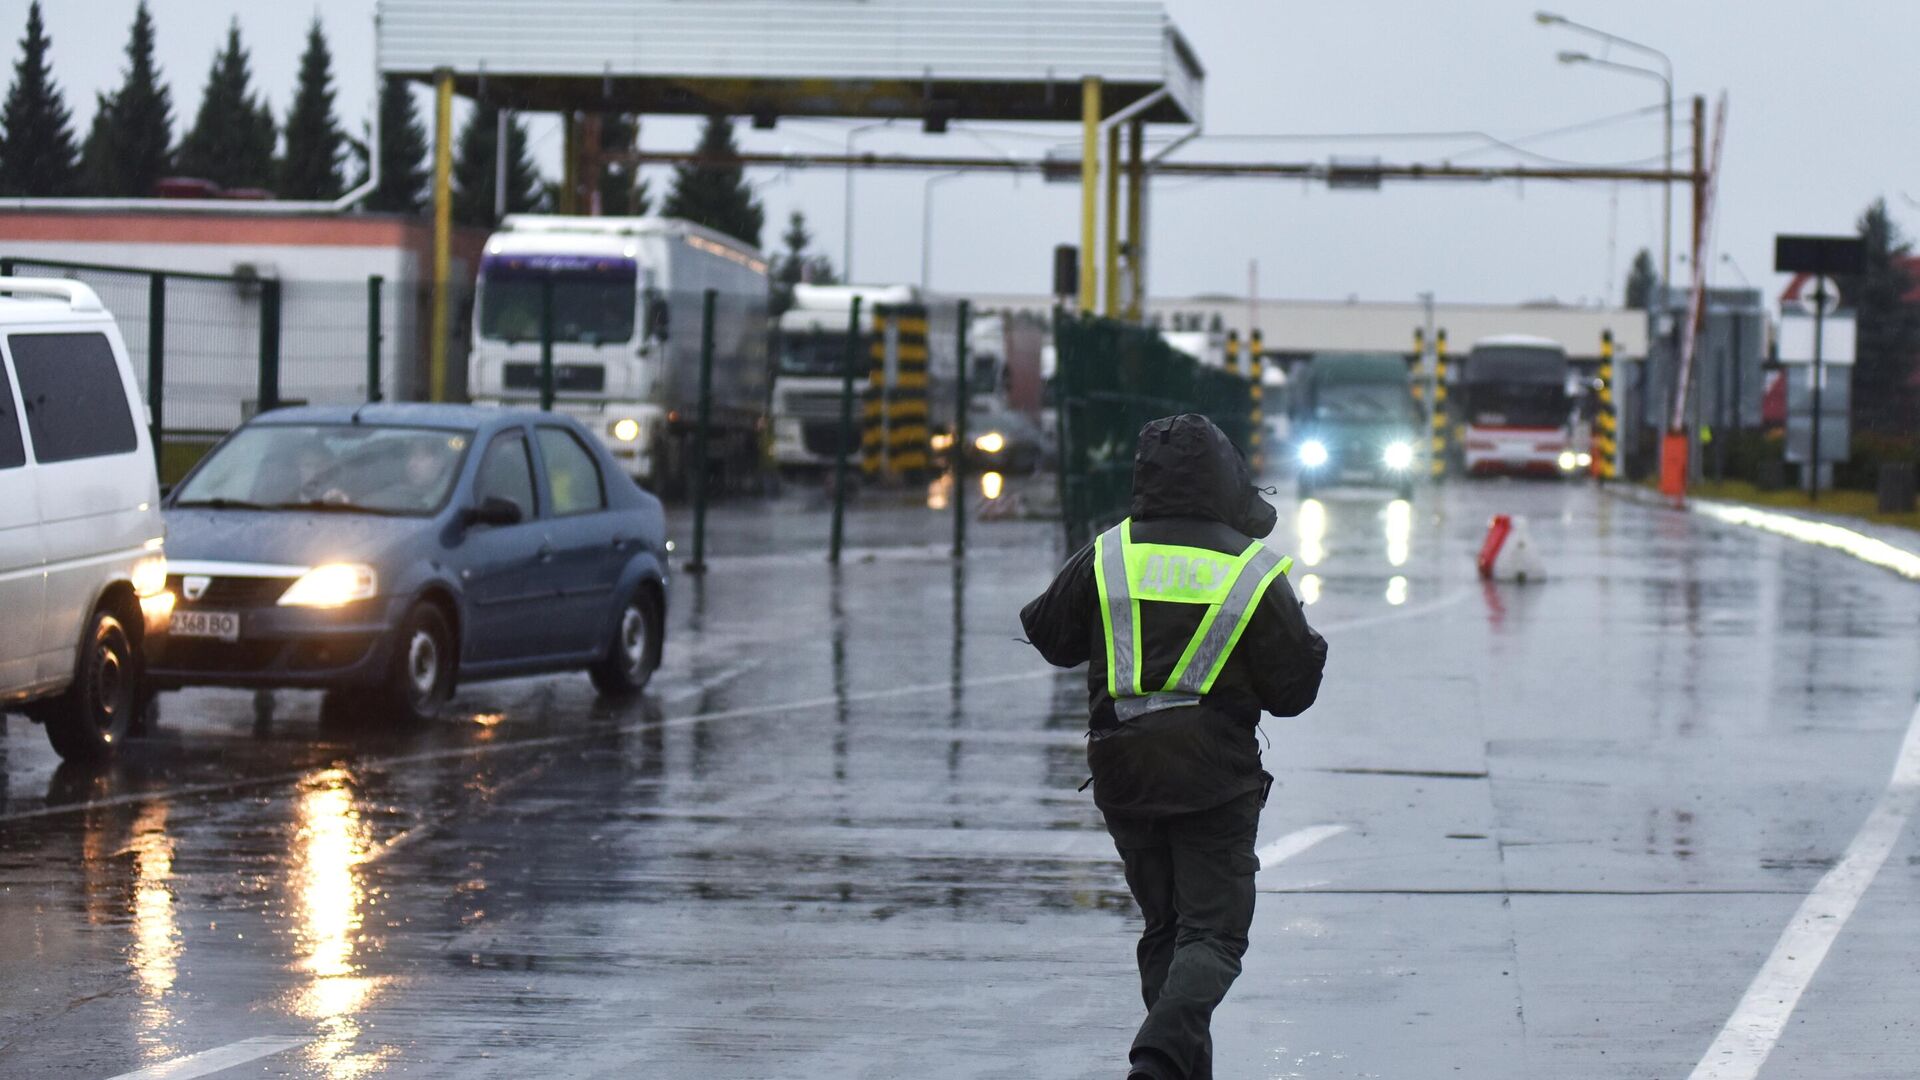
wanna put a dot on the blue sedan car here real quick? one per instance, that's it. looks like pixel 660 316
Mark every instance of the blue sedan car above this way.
pixel 387 552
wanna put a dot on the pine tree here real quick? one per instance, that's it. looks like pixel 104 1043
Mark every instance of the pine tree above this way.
pixel 712 191
pixel 128 148
pixel 311 169
pixel 794 265
pixel 623 193
pixel 474 164
pixel 232 139
pixel 1887 328
pixel 403 152
pixel 1642 280
pixel 37 155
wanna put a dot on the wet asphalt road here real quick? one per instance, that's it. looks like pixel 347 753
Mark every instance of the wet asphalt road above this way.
pixel 1528 832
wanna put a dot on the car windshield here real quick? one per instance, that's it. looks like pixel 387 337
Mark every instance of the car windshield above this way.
pixel 813 352
pixel 349 468
pixel 1363 402
pixel 594 299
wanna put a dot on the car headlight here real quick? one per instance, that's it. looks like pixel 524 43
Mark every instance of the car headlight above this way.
pixel 331 585
pixel 991 443
pixel 149 575
pixel 1567 461
pixel 1398 455
pixel 941 440
pixel 626 429
pixel 1313 453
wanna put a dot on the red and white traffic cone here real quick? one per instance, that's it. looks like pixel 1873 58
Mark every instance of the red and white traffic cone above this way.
pixel 1508 553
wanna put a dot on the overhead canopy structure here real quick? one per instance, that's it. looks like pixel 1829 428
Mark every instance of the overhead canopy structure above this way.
pixel 1006 60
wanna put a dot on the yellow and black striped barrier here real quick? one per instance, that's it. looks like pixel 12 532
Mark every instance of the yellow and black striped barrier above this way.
pixel 1442 445
pixel 1606 419
pixel 1418 369
pixel 1256 370
pixel 895 440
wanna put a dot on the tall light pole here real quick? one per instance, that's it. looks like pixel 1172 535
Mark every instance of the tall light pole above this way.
pixel 926 226
pixel 846 240
pixel 1665 75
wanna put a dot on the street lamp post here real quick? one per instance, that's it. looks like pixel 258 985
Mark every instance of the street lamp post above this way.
pixel 1665 75
pixel 846 237
pixel 926 226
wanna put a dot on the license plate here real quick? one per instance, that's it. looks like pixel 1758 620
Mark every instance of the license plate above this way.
pixel 224 625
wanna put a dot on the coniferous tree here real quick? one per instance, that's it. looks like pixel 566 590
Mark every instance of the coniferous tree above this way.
pixel 1641 281
pixel 1887 328
pixel 37 155
pixel 128 148
pixel 795 265
pixel 232 139
pixel 311 169
pixel 712 191
pixel 623 192
pixel 403 152
pixel 474 164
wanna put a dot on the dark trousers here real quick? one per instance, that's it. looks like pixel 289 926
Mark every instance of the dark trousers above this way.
pixel 1192 875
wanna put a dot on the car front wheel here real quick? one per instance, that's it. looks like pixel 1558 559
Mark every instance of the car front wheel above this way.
pixel 634 652
pixel 99 710
pixel 420 677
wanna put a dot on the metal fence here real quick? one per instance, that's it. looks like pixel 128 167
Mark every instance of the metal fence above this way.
pixel 212 350
pixel 1113 378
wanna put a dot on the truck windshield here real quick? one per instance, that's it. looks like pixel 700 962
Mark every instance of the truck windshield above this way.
pixel 1364 402
pixel 813 352
pixel 594 299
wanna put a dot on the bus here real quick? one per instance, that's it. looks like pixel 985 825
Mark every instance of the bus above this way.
pixel 1515 408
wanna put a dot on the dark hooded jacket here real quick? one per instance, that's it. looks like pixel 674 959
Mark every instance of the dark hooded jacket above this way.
pixel 1190 487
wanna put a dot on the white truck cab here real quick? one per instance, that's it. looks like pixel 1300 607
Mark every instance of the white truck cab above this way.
pixel 82 573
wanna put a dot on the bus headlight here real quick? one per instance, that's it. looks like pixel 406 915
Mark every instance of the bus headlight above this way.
pixel 1313 453
pixel 1583 459
pixel 1568 462
pixel 1398 456
pixel 626 429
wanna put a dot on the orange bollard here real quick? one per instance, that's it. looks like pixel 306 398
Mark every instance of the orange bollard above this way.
pixel 1673 465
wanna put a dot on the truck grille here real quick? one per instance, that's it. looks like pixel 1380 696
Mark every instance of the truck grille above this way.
pixel 568 378
pixel 817 405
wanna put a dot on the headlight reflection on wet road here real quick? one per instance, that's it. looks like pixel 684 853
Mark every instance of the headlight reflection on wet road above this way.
pixel 331 842
pixel 156 932
pixel 1310 522
pixel 1399 531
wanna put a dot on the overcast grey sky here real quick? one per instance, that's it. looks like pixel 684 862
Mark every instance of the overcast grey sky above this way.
pixel 1820 122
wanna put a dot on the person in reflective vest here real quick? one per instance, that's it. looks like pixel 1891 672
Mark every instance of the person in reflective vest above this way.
pixel 1190 632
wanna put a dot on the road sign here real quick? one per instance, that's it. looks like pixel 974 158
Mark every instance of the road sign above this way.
pixel 1819 255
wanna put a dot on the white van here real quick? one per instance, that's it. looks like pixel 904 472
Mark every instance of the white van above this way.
pixel 82 575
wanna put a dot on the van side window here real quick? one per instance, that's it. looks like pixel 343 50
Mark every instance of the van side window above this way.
pixel 573 477
pixel 76 404
pixel 12 453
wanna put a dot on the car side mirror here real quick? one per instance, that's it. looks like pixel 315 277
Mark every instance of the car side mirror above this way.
pixel 494 510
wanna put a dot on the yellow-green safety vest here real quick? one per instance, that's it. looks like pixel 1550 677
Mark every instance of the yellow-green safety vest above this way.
pixel 1229 585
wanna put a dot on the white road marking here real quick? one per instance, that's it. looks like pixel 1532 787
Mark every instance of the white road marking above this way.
pixel 767 709
pixel 1296 842
pixel 1755 1026
pixel 1826 534
pixel 208 1062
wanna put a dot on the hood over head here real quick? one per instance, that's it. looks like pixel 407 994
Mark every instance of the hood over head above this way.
pixel 1186 467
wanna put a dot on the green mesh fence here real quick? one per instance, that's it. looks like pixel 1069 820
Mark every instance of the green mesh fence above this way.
pixel 1112 378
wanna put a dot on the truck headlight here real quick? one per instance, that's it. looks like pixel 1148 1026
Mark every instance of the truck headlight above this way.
pixel 331 585
pixel 1313 453
pixel 1398 456
pixel 626 429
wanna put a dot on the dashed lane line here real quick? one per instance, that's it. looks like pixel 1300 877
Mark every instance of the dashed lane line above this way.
pixel 1755 1026
pixel 218 1059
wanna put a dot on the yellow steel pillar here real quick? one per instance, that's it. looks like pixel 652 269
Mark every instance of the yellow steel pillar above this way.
pixel 1606 420
pixel 1110 261
pixel 442 231
pixel 1256 390
pixel 1136 243
pixel 1442 434
pixel 1089 191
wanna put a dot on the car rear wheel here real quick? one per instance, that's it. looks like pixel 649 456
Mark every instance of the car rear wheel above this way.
pixel 101 707
pixel 634 653
pixel 420 676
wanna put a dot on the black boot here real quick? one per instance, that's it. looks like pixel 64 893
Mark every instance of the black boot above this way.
pixel 1149 1064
